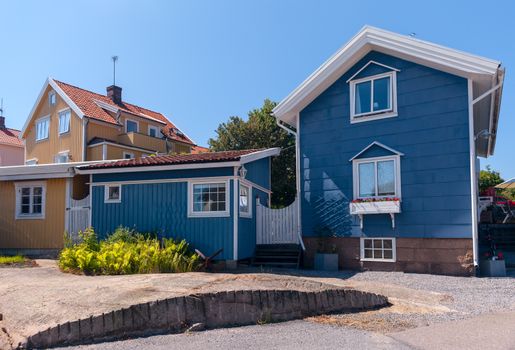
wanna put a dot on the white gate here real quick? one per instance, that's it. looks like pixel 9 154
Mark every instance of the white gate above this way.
pixel 78 217
pixel 278 226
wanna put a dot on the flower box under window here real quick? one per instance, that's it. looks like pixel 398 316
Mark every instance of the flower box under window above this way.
pixel 386 206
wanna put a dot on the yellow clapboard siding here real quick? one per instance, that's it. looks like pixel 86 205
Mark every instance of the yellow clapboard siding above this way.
pixel 46 150
pixel 45 233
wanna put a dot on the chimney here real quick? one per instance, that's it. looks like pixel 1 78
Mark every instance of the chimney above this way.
pixel 2 123
pixel 114 93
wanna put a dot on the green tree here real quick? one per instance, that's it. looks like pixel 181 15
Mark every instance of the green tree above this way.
pixel 261 131
pixel 489 178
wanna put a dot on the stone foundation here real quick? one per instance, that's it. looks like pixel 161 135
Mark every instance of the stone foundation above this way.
pixel 442 256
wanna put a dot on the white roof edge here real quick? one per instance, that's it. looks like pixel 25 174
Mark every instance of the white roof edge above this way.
pixel 42 170
pixel 69 102
pixel 376 143
pixel 269 152
pixel 456 60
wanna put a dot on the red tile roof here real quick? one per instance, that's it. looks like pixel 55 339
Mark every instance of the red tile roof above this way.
pixel 199 149
pixel 85 100
pixel 209 157
pixel 10 137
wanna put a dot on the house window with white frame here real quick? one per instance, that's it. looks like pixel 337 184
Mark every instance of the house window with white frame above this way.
pixel 245 201
pixel 52 99
pixel 377 177
pixel 153 131
pixel 42 128
pixel 113 194
pixel 209 199
pixel 64 121
pixel 30 200
pixel 128 155
pixel 131 126
pixel 378 249
pixel 373 97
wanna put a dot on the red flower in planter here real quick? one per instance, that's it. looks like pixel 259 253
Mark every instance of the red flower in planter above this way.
pixel 500 256
pixel 369 200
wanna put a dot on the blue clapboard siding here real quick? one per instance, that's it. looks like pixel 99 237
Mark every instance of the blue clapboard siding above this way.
pixel 258 172
pixel 247 227
pixel 432 132
pixel 166 174
pixel 160 208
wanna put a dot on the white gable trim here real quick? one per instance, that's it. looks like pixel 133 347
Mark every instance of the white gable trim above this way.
pixel 368 64
pixel 402 46
pixel 376 143
pixel 61 93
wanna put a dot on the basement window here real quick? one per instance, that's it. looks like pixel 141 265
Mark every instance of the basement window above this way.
pixel 378 249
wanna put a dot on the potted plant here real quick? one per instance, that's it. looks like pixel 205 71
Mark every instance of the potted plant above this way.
pixel 326 256
pixel 383 205
pixel 494 265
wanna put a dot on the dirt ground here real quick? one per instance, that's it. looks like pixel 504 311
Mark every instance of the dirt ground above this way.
pixel 32 299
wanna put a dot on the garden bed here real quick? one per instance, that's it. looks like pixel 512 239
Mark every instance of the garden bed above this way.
pixel 16 261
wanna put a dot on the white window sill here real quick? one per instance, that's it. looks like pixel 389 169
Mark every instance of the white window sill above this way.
pixel 378 260
pixel 372 116
pixel 113 201
pixel 29 217
pixel 209 214
pixel 245 215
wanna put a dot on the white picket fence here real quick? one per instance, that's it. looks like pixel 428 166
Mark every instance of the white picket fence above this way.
pixel 277 226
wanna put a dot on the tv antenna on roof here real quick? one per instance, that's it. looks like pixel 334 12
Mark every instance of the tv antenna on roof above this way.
pixel 114 58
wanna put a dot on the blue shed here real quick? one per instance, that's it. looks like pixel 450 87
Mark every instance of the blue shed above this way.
pixel 389 131
pixel 209 199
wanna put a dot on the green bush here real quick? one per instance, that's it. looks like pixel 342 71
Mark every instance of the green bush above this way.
pixel 127 252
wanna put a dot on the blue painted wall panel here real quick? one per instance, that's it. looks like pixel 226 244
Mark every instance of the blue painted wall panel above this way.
pixel 259 172
pixel 168 174
pixel 431 129
pixel 247 227
pixel 161 209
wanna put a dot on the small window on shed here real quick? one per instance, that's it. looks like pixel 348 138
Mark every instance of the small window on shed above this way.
pixel 113 194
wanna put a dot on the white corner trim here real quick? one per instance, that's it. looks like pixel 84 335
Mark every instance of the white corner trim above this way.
pixel 473 177
pixel 397 167
pixel 106 193
pixel 236 214
pixel 376 143
pixel 368 64
pixel 374 115
pixel 362 249
pixel 17 187
pixel 208 214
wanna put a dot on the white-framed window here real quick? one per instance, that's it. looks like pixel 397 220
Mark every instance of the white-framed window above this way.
pixel 33 161
pixel 128 155
pixel 64 121
pixel 42 128
pixel 377 177
pixel 131 125
pixel 373 97
pixel 210 199
pixel 30 200
pixel 113 193
pixel 52 98
pixel 245 200
pixel 62 157
pixel 378 249
pixel 153 131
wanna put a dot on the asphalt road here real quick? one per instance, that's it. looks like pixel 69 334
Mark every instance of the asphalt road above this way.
pixel 296 335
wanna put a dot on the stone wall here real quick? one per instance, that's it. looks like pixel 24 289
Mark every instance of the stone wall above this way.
pixel 445 256
pixel 214 310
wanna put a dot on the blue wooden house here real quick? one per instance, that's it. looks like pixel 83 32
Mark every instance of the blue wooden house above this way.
pixel 209 199
pixel 389 131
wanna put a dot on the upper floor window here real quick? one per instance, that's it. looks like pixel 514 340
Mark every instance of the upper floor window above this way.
pixel 30 200
pixel 153 131
pixel 62 157
pixel 131 126
pixel 64 121
pixel 42 128
pixel 376 177
pixel 373 97
pixel 52 98
pixel 128 155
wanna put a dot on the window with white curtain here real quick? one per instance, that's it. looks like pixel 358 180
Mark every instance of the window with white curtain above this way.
pixel 42 128
pixel 377 177
pixel 245 202
pixel 64 121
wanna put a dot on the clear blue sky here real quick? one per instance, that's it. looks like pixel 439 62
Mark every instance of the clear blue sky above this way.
pixel 200 62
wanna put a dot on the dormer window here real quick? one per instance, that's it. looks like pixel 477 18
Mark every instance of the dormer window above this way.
pixel 51 98
pixel 153 131
pixel 131 126
pixel 373 97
